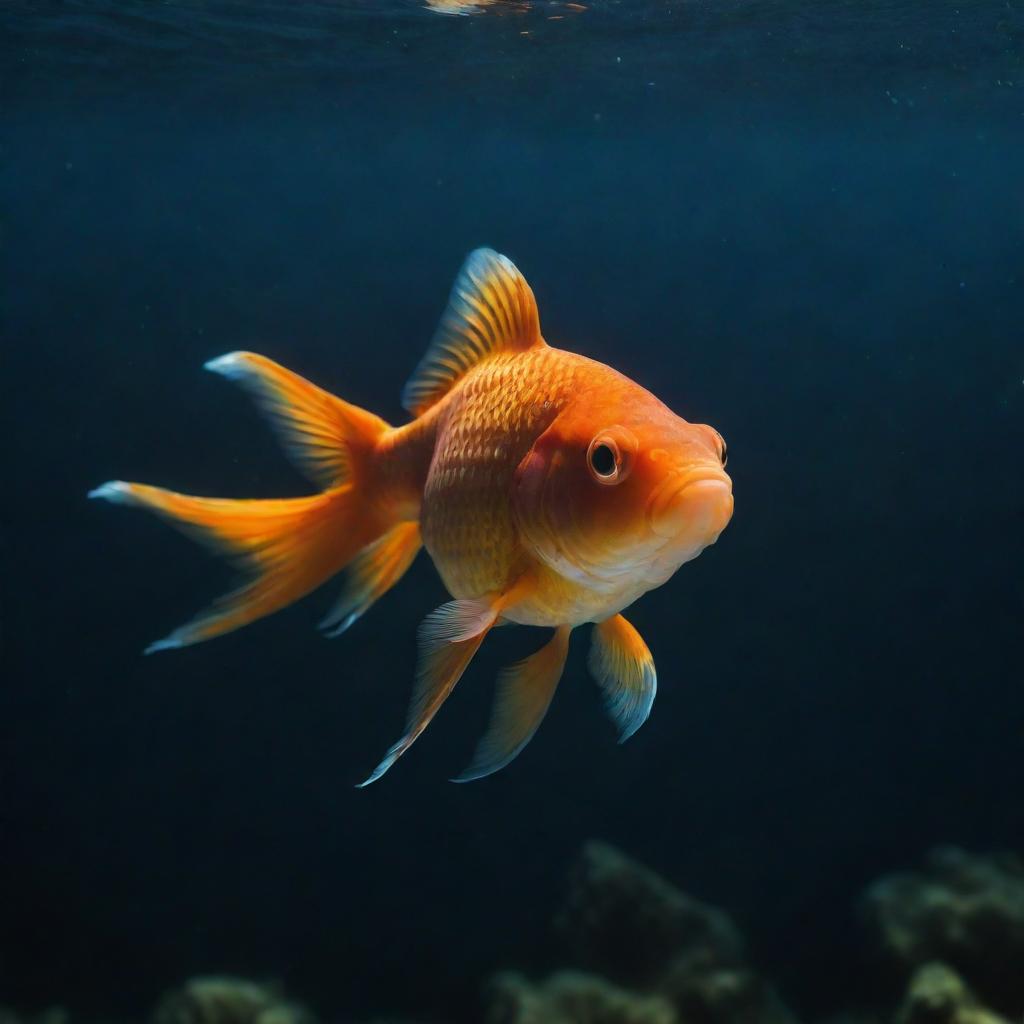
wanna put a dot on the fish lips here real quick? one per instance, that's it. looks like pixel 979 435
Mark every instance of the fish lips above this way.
pixel 692 509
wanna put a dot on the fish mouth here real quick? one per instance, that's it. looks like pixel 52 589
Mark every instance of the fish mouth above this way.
pixel 694 510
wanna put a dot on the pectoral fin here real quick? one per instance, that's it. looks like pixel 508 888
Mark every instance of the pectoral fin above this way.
pixel 448 638
pixel 624 669
pixel 523 695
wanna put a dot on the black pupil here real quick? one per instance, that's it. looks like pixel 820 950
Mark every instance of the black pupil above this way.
pixel 603 460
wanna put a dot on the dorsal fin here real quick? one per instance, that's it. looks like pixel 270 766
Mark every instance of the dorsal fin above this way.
pixel 491 309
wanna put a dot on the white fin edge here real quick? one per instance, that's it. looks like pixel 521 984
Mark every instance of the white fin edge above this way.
pixel 230 365
pixel 115 491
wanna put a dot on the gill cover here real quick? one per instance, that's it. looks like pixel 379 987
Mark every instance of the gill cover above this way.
pixel 581 515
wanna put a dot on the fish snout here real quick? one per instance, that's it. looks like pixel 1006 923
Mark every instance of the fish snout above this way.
pixel 692 510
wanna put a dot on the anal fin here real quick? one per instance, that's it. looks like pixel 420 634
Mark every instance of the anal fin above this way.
pixel 371 574
pixel 621 663
pixel 524 693
pixel 448 638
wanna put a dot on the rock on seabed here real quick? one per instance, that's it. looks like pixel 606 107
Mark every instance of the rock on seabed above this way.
pixel 963 910
pixel 650 953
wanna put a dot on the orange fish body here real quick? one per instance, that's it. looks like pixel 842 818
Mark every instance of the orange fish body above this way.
pixel 548 489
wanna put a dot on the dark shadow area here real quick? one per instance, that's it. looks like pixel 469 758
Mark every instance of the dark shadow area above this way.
pixel 811 240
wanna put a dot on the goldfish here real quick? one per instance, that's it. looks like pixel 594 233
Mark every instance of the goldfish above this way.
pixel 548 489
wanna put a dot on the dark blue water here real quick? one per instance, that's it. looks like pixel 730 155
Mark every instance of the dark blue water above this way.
pixel 802 223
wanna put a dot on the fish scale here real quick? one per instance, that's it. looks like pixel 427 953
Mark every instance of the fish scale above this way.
pixel 486 429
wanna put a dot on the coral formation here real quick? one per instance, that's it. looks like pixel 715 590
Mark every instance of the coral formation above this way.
pixel 938 995
pixel 570 997
pixel 964 910
pixel 224 1000
pixel 53 1015
pixel 646 953
pixel 709 993
pixel 628 925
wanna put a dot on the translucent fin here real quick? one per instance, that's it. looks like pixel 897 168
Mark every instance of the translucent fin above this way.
pixel 317 429
pixel 448 638
pixel 491 309
pixel 290 546
pixel 523 696
pixel 624 669
pixel 373 572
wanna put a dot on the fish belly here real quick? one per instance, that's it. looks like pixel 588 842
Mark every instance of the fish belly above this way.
pixel 554 600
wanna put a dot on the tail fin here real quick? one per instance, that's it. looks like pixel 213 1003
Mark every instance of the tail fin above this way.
pixel 289 546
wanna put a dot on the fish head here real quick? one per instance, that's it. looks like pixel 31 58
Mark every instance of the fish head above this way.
pixel 619 488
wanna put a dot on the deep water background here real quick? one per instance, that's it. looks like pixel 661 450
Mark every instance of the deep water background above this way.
pixel 801 223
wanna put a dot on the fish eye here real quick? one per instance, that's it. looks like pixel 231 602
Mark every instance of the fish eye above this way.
pixel 723 450
pixel 604 460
